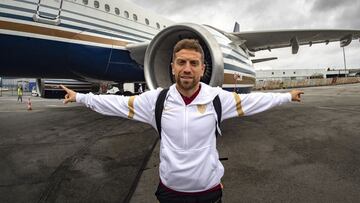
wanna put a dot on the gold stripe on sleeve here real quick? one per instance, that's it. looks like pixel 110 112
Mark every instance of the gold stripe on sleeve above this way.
pixel 238 104
pixel 131 107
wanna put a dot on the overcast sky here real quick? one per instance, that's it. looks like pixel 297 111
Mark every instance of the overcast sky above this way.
pixel 254 15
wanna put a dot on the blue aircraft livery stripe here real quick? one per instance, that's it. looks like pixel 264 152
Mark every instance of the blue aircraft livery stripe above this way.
pixel 65 60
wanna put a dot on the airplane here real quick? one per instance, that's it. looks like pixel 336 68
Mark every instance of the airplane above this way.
pixel 89 41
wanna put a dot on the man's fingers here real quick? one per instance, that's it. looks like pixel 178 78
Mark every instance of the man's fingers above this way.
pixel 69 96
pixel 299 95
pixel 296 95
pixel 64 88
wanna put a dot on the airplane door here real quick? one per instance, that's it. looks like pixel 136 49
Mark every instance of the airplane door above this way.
pixel 48 11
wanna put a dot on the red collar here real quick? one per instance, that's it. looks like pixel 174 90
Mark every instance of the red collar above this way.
pixel 188 100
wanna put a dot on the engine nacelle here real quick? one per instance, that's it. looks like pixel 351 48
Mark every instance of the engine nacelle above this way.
pixel 227 65
pixel 158 55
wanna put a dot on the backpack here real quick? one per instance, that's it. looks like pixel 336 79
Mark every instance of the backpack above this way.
pixel 159 107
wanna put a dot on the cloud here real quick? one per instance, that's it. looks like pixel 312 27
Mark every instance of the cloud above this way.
pixel 254 15
pixel 349 17
pixel 330 5
pixel 343 14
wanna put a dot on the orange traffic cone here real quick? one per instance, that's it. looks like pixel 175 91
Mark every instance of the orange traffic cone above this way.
pixel 29 108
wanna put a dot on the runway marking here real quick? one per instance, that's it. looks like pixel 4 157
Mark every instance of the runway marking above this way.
pixel 19 111
pixel 57 106
pixel 338 109
pixel 8 99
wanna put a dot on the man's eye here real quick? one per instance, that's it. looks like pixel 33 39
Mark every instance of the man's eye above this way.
pixel 181 62
pixel 194 63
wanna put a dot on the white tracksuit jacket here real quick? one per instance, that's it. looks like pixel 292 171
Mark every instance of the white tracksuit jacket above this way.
pixel 189 161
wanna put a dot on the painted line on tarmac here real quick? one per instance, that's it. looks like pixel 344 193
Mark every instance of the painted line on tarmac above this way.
pixel 8 100
pixel 20 111
pixel 57 106
pixel 339 109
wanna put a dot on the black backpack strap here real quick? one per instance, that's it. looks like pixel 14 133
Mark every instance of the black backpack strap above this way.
pixel 218 109
pixel 217 106
pixel 159 107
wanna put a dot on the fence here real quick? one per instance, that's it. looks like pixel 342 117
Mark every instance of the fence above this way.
pixel 279 84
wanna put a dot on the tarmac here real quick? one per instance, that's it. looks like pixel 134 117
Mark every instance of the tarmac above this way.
pixel 299 152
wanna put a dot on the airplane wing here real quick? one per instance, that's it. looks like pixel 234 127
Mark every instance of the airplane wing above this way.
pixel 267 40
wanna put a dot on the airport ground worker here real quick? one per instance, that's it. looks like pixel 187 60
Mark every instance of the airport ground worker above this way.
pixel 19 93
pixel 190 170
pixel 140 90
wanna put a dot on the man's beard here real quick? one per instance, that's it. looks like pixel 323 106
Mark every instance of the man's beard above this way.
pixel 187 85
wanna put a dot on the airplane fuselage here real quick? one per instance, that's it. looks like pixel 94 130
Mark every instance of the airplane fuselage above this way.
pixel 86 42
pixel 88 39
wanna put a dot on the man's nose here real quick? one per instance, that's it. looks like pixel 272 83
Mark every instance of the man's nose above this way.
pixel 187 67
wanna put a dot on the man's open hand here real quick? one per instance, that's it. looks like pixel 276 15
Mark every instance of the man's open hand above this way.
pixel 295 95
pixel 70 95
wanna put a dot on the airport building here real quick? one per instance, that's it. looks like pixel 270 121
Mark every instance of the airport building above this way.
pixel 300 74
pixel 12 83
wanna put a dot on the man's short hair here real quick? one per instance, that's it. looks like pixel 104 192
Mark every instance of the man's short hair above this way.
pixel 192 44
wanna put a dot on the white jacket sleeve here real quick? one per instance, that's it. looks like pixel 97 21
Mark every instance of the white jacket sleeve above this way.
pixel 234 105
pixel 140 107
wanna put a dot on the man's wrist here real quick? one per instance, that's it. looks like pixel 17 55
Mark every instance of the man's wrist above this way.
pixel 79 97
pixel 289 96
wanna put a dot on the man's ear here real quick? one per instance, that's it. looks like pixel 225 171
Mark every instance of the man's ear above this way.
pixel 172 68
pixel 203 70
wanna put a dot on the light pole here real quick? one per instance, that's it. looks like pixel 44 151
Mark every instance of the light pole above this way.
pixel 344 60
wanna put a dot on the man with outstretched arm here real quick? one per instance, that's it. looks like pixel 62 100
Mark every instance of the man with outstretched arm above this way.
pixel 190 170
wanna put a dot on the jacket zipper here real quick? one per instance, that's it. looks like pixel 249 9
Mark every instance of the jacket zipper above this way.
pixel 186 128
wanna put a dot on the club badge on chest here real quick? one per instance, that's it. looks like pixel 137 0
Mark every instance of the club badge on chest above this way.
pixel 201 108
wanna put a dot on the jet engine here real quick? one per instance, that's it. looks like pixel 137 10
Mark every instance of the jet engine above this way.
pixel 158 55
pixel 220 54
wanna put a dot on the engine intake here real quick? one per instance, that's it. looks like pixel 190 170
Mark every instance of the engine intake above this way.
pixel 158 55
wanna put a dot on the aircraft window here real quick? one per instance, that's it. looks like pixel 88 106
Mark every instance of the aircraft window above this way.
pixel 135 17
pixel 158 25
pixel 147 21
pixel 294 73
pixel 96 4
pixel 107 7
pixel 283 73
pixel 164 26
pixel 85 2
pixel 117 11
pixel 126 14
pixel 272 73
